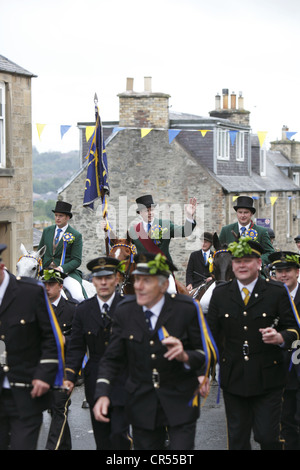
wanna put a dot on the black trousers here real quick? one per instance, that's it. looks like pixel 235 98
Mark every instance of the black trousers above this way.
pixel 17 433
pixel 260 414
pixel 59 436
pixel 290 419
pixel 179 437
pixel 113 435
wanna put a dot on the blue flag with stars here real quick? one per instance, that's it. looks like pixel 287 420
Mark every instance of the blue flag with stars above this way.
pixel 96 184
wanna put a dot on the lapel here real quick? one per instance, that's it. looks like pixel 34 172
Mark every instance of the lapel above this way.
pixel 235 293
pixel 60 307
pixel 256 295
pixel 165 313
pixel 10 293
pixel 94 311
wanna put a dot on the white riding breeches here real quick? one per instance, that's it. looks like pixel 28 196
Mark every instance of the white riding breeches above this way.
pixel 74 287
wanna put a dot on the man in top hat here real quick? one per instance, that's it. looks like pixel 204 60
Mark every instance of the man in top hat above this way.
pixel 59 436
pixel 154 235
pixel 286 267
pixel 198 265
pixel 91 331
pixel 159 336
pixel 245 226
pixel 28 359
pixel 251 320
pixel 64 249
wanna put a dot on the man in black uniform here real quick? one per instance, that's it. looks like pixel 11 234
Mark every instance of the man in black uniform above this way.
pixel 162 371
pixel 251 320
pixel 90 332
pixel 198 265
pixel 286 267
pixel 29 360
pixel 59 436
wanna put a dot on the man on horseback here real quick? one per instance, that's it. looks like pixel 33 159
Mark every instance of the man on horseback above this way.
pixel 244 225
pixel 197 270
pixel 64 249
pixel 154 235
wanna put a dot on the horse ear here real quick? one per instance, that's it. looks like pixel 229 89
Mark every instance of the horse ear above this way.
pixel 23 249
pixel 41 251
pixel 128 238
pixel 216 241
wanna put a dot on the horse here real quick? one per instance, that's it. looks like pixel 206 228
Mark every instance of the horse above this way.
pixel 30 265
pixel 124 250
pixel 221 272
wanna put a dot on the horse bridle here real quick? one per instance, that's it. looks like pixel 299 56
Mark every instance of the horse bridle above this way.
pixel 38 260
pixel 126 275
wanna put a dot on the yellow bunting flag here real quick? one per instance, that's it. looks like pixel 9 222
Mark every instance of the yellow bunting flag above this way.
pixel 203 132
pixel 234 198
pixel 273 199
pixel 261 137
pixel 89 132
pixel 145 132
pixel 40 128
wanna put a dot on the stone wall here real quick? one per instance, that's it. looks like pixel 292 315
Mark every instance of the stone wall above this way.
pixel 16 179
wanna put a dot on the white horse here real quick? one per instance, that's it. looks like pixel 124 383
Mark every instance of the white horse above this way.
pixel 30 265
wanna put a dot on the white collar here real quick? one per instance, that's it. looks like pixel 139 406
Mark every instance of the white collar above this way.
pixel 250 286
pixel 108 302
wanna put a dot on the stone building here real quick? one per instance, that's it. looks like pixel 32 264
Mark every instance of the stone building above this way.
pixel 175 156
pixel 15 160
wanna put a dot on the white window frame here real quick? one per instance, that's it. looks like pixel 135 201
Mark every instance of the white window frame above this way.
pixel 296 178
pixel 263 161
pixel 2 126
pixel 240 146
pixel 223 144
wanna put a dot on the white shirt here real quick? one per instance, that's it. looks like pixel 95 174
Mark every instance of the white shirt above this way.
pixel 63 229
pixel 250 287
pixel 108 302
pixel 156 309
pixel 294 292
pixel 246 227
pixel 56 302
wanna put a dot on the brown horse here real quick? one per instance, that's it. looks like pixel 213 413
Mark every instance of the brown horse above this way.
pixel 124 249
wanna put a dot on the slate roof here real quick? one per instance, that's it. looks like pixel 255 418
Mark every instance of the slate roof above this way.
pixel 8 66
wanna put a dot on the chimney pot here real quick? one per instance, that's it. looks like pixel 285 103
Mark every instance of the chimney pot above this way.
pixel 148 84
pixel 233 100
pixel 218 101
pixel 225 98
pixel 129 84
pixel 241 101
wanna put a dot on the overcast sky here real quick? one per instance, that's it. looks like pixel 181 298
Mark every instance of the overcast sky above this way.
pixel 192 49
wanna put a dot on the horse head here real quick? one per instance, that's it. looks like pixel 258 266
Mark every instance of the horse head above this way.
pixel 222 262
pixel 123 249
pixel 30 263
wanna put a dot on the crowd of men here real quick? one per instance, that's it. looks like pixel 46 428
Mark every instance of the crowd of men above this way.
pixel 142 357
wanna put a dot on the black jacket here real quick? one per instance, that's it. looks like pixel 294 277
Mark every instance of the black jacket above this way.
pixel 153 379
pixel 30 344
pixel 248 366
pixel 91 333
pixel 197 271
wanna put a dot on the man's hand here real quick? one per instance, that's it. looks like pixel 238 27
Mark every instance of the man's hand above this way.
pixel 271 336
pixel 175 349
pixel 191 208
pixel 101 409
pixel 204 386
pixel 69 386
pixel 39 388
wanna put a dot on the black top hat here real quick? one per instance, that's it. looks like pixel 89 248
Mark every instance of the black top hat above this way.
pixel 144 202
pixel 63 208
pixel 297 238
pixel 103 266
pixel 53 275
pixel 207 236
pixel 2 248
pixel 284 259
pixel 152 264
pixel 244 202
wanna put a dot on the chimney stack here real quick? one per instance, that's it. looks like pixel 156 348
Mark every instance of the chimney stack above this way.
pixel 241 100
pixel 285 129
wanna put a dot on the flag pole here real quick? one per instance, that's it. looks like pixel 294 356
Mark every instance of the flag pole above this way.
pixel 104 212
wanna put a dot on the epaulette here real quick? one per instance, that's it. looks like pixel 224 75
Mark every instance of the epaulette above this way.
pixel 274 282
pixel 222 283
pixel 127 299
pixel 181 297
